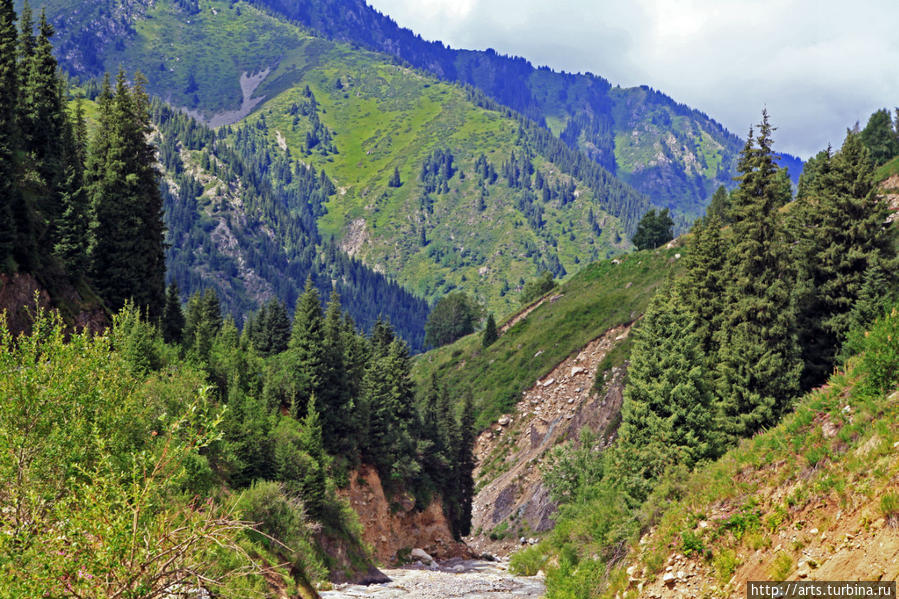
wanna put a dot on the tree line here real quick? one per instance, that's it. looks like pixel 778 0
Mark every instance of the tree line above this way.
pixel 88 204
pixel 317 367
pixel 773 290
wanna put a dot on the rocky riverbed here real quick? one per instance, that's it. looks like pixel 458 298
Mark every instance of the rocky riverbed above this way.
pixel 468 579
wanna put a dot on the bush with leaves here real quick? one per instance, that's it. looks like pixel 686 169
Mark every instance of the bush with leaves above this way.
pixel 94 459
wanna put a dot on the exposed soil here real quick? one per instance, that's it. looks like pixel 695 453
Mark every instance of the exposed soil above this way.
pixel 392 528
pixel 510 453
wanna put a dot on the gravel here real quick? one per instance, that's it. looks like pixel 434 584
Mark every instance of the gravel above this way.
pixel 466 579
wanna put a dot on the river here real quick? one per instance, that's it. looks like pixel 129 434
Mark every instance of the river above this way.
pixel 467 579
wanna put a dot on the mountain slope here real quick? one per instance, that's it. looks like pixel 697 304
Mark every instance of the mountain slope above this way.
pixel 816 498
pixel 676 155
pixel 359 117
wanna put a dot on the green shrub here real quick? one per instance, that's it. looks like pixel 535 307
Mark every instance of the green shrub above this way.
pixel 725 564
pixel 889 507
pixel 781 567
pixel 528 561
pixel 691 543
pixel 880 358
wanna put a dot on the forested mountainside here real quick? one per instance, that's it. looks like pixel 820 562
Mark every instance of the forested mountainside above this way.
pixel 415 162
pixel 241 219
pixel 674 154
pixel 775 294
pixel 682 378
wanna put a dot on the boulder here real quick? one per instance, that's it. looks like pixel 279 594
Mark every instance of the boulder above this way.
pixel 422 556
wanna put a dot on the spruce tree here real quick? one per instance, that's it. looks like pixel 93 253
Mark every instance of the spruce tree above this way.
pixel 332 390
pixel 839 235
pixel 173 315
pixel 655 229
pixel 9 139
pixel 668 403
pixel 490 333
pixel 306 344
pixel 758 360
pixel 719 206
pixel 702 286
pixel 72 227
pixel 127 250
pixel 880 138
pixel 465 465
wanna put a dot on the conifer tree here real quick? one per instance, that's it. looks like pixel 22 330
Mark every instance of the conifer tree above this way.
pixel 702 286
pixel 880 138
pixel 465 464
pixel 332 391
pixel 173 315
pixel 758 361
pixel 9 141
pixel 719 206
pixel 306 343
pixel 838 236
pixel 43 122
pixel 490 334
pixel 72 228
pixel 127 256
pixel 654 229
pixel 668 404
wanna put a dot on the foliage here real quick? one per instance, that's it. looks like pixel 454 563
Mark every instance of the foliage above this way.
pixel 489 335
pixel 653 230
pixel 537 288
pixel 452 317
pixel 92 467
pixel 595 300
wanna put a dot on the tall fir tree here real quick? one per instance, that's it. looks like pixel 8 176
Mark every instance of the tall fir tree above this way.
pixel 127 257
pixel 838 234
pixel 668 403
pixel 758 360
pixel 332 391
pixel 465 464
pixel 71 244
pixel 702 286
pixel 305 349
pixel 173 315
pixel 9 137
pixel 43 124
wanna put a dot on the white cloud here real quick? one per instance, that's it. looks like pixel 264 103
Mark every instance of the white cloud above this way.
pixel 818 65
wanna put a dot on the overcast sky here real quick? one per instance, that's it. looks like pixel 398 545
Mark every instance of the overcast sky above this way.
pixel 818 65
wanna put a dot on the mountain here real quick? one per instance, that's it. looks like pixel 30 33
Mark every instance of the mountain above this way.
pixel 360 118
pixel 674 154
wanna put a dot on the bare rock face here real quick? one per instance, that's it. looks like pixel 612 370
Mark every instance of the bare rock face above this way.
pixel 553 411
pixel 390 530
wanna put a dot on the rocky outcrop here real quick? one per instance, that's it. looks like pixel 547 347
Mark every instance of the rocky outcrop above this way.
pixel 510 453
pixel 17 300
pixel 397 525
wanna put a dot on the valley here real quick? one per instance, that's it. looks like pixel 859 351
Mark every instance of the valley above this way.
pixel 296 304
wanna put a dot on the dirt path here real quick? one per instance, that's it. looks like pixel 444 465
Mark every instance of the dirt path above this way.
pixel 465 579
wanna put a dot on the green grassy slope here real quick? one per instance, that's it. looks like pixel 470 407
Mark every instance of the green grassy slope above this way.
pixel 600 297
pixel 382 116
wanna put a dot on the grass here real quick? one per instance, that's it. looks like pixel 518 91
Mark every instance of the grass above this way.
pixel 781 567
pixel 387 117
pixel 887 170
pixel 592 302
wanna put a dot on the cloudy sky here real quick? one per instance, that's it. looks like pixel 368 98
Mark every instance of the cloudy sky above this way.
pixel 818 65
